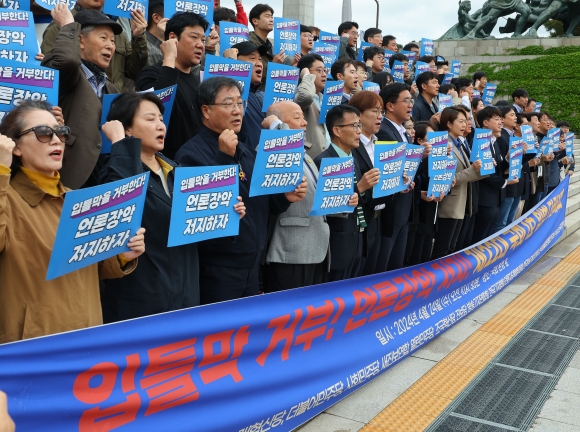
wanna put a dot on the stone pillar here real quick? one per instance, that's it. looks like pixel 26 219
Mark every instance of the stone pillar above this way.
pixel 302 10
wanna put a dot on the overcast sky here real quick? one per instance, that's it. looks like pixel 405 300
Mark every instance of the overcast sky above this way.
pixel 406 19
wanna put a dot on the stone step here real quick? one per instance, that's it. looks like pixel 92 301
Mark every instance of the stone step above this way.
pixel 574 179
pixel 572 224
pixel 573 190
pixel 573 204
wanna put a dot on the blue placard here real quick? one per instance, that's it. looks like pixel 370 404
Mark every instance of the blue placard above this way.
pixel 361 50
pixel 332 97
pixel 96 223
pixel 18 37
pixel 538 107
pixel 372 86
pixel 529 139
pixel 427 47
pixel 481 150
pixel 411 55
pixel 388 55
pixel 201 7
pixel 455 68
pixel 167 96
pixel 335 187
pixel 286 36
pixel 546 148
pixel 570 144
pixel 203 204
pixel 398 71
pixel 421 67
pixel 442 178
pixel 476 94
pixel 123 8
pixel 390 160
pixel 281 84
pixel 278 166
pixel 232 33
pixel 19 82
pixel 14 5
pixel 445 101
pixel 516 154
pixel 439 142
pixel 488 94
pixel 447 79
pixel 50 4
pixel 554 136
pixel 413 160
pixel 330 38
pixel 328 53
pixel 236 69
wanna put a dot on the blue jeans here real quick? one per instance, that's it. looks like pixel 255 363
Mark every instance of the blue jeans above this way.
pixel 502 217
pixel 513 210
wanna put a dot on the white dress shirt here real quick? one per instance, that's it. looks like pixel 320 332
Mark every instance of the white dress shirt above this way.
pixel 369 145
pixel 401 129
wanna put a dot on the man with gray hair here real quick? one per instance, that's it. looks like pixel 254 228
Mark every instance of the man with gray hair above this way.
pixel 82 52
pixel 298 251
pixel 229 267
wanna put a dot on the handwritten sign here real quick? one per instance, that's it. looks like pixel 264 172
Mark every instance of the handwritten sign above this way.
pixel 286 36
pixel 390 160
pixel 335 187
pixel 281 84
pixel 203 204
pixel 236 69
pixel 332 97
pixel 96 223
pixel 278 166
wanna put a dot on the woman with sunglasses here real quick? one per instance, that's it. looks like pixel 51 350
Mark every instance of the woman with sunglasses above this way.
pixel 167 278
pixel 32 145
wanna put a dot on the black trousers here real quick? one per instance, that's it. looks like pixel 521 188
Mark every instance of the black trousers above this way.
pixel 484 223
pixel 446 236
pixel 219 283
pixel 353 269
pixel 465 235
pixel 410 248
pixel 392 253
pixel 422 248
pixel 281 276
pixel 373 246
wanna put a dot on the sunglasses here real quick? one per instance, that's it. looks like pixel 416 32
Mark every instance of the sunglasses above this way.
pixel 44 133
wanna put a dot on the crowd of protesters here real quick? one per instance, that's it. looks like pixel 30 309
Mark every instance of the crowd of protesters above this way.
pixel 46 151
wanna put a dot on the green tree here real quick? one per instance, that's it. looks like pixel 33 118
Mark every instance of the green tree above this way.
pixel 556 29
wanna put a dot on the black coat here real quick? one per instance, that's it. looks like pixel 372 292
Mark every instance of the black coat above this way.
pixel 166 278
pixel 344 230
pixel 422 110
pixel 491 190
pixel 401 208
pixel 243 250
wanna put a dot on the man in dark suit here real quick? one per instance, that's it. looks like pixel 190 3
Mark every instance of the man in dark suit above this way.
pixel 491 188
pixel 425 108
pixel 398 105
pixel 346 230
pixel 345 70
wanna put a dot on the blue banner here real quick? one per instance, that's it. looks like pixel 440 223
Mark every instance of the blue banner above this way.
pixel 516 155
pixel 372 86
pixel 439 143
pixel 427 47
pixel 123 8
pixel 96 223
pixel 421 67
pixel 232 33
pixel 554 136
pixel 18 37
pixel 201 7
pixel 278 166
pixel 488 94
pixel 442 178
pixel 203 204
pixel 361 50
pixel 286 36
pixel 281 84
pixel 481 150
pixel 20 82
pixel 332 97
pixel 414 156
pixel 411 55
pixel 398 71
pixel 167 96
pixel 570 144
pixel 530 139
pixel 328 53
pixel 445 101
pixel 236 69
pixel 335 187
pixel 269 361
pixel 330 38
pixel 390 161
pixel 456 68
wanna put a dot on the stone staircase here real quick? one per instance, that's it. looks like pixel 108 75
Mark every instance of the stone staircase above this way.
pixel 573 205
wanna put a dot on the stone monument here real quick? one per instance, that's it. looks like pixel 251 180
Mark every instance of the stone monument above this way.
pixel 532 14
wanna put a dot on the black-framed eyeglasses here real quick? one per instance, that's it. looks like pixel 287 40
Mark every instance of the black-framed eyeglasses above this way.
pixel 230 106
pixel 354 126
pixel 315 38
pixel 44 133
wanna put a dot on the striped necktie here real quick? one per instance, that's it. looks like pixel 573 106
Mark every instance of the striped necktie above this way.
pixel 359 211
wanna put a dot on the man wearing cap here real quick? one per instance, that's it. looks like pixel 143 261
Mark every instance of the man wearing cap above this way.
pixel 253 116
pixel 129 52
pixel 82 52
